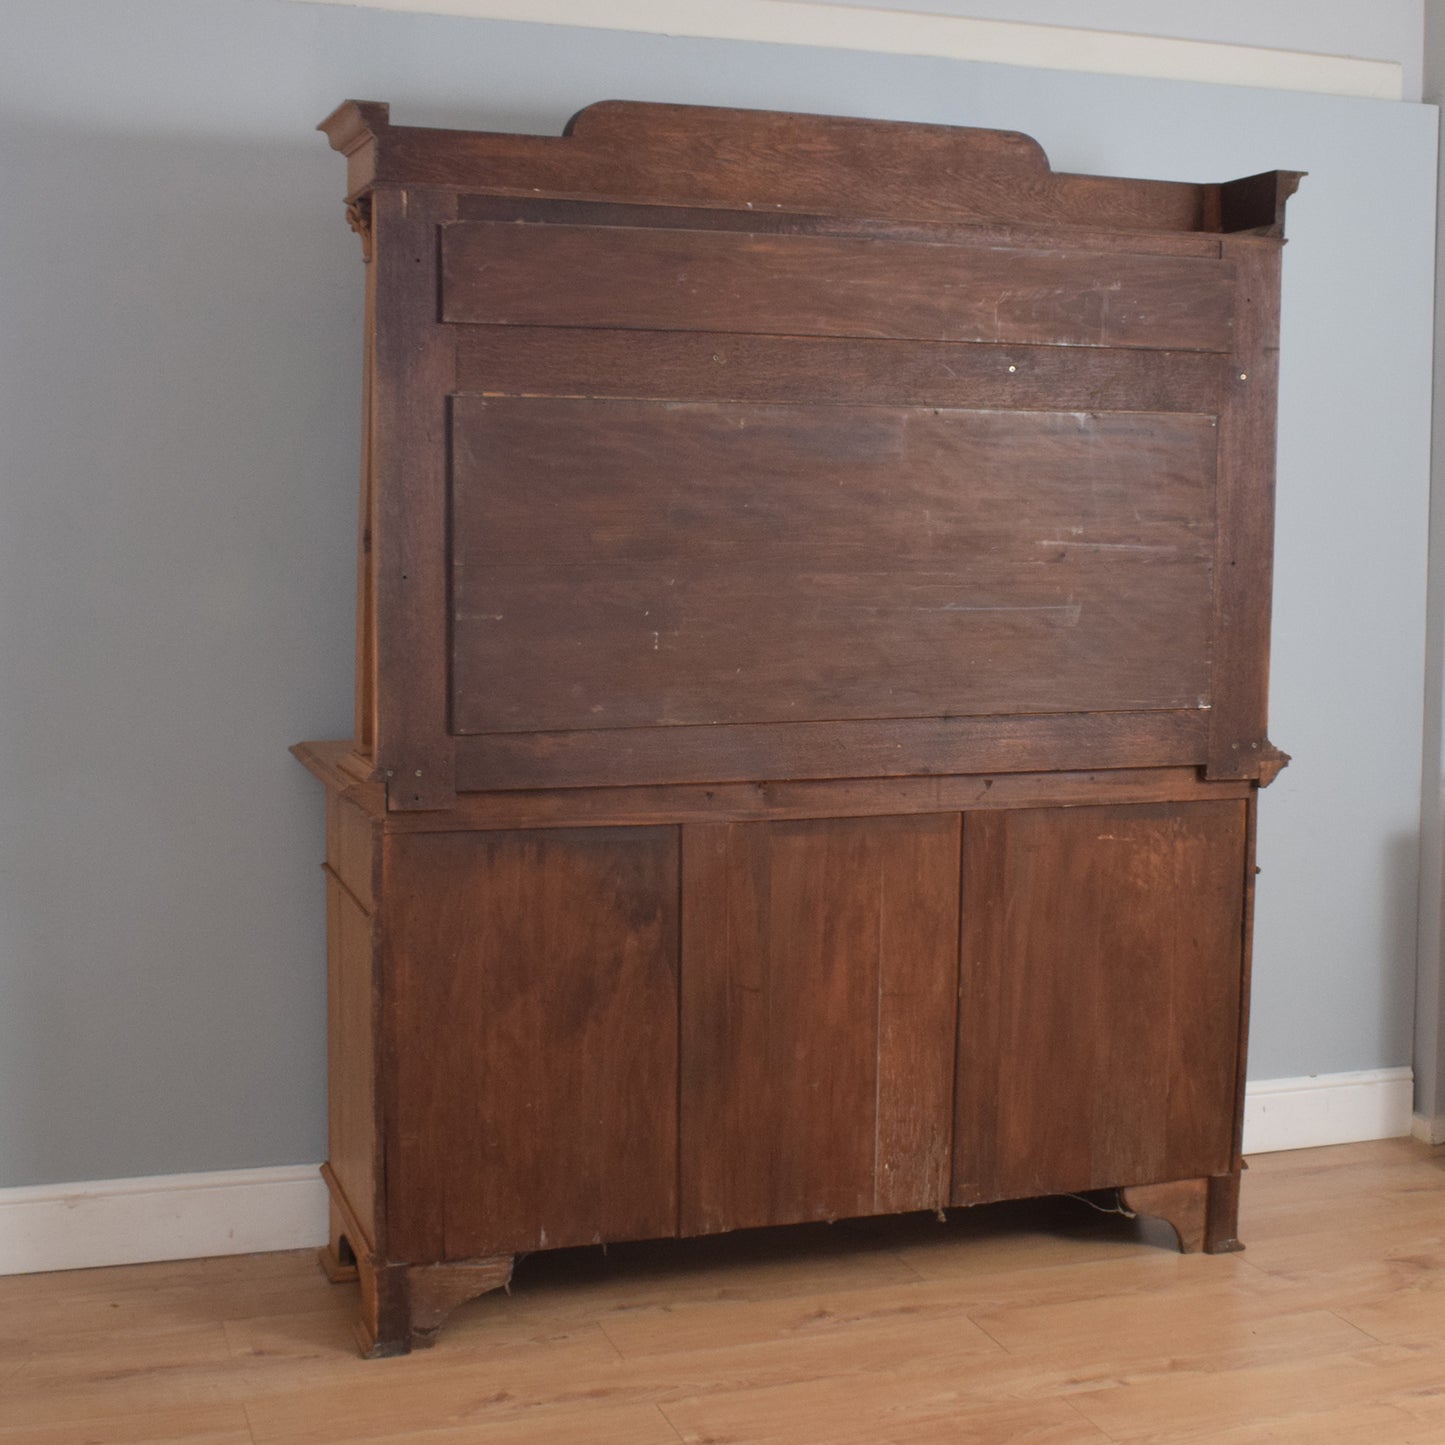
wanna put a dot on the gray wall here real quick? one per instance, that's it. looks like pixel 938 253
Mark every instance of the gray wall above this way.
pixel 179 331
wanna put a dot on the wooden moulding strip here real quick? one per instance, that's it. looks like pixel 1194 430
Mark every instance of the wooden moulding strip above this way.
pixel 858 748
pixel 567 210
pixel 575 361
pixel 835 798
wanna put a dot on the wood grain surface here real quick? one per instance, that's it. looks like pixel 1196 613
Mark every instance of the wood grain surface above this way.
pixel 531 1004
pixel 717 366
pixel 648 278
pixel 624 564
pixel 1019 1322
pixel 767 160
pixel 820 968
pixel 1099 997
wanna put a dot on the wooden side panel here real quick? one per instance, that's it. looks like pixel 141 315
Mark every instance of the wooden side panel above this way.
pixel 620 564
pixel 352 1117
pixel 1245 563
pixel 413 366
pixel 817 1018
pixel 1099 997
pixel 532 1029
pixel 694 280
pixel 351 847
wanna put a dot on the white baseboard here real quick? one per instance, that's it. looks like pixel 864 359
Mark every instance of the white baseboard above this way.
pixel 1327 1109
pixel 172 1216
pixel 245 1211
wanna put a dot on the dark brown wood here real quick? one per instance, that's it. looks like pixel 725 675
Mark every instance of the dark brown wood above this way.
pixel 435 1290
pixel 697 156
pixel 412 366
pixel 1182 1203
pixel 1244 560
pixel 817 1036
pixel 1256 203
pixel 813 597
pixel 714 366
pixel 1203 1212
pixel 918 579
pixel 820 798
pixel 531 1006
pixel 569 211
pixel 887 749
pixel 666 280
pixel 366 675
pixel 1221 1234
pixel 1099 997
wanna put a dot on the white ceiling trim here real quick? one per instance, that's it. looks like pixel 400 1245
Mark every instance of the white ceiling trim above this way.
pixel 901 32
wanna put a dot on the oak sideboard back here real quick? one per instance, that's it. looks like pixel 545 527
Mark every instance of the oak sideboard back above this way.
pixel 812 639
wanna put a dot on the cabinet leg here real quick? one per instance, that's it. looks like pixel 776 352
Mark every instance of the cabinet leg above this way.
pixel 403 1307
pixel 1203 1212
pixel 435 1290
pixel 1222 1232
pixel 337 1257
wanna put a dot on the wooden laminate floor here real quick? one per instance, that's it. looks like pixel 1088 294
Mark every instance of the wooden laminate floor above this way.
pixel 1033 1323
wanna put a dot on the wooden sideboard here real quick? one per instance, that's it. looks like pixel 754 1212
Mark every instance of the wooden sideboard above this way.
pixel 813 621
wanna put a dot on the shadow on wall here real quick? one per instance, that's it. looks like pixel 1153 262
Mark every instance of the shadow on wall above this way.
pixel 1399 891
pixel 178 421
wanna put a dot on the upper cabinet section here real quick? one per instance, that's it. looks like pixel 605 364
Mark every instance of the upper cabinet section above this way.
pixel 717 446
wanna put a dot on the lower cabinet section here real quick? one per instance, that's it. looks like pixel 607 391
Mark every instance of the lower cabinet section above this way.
pixel 1099 1002
pixel 562 1036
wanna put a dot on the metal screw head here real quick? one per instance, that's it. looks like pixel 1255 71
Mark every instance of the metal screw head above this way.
pixel 1013 368
pixel 1244 376
pixel 418 772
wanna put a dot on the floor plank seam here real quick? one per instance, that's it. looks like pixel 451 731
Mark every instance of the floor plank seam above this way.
pixel 616 1348
pixel 668 1419
pixel 1092 1424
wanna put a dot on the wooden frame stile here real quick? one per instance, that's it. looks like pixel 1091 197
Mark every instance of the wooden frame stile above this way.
pixel 840 707
pixel 359 214
pixel 1238 745
pixel 415 368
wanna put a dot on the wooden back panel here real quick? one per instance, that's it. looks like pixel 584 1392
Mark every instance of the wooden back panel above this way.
pixel 647 563
pixel 708 446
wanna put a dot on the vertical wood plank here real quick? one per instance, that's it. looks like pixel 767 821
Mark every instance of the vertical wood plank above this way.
pixel 917 998
pixel 365 735
pixel 817 1020
pixel 412 379
pixel 1244 556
